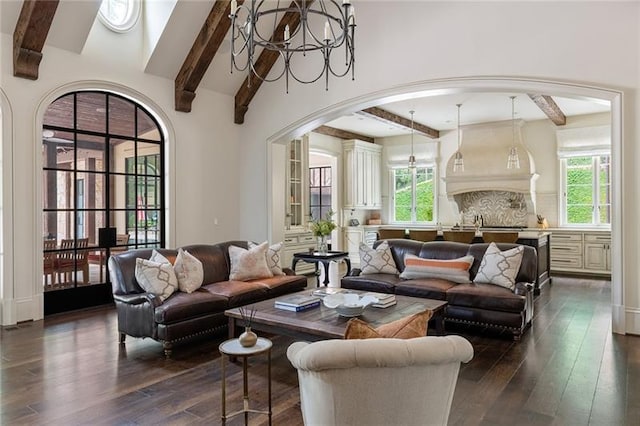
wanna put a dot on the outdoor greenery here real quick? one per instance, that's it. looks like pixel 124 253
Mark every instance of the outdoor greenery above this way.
pixel 582 173
pixel 424 195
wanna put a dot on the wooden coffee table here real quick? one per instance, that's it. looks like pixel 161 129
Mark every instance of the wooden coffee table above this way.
pixel 324 323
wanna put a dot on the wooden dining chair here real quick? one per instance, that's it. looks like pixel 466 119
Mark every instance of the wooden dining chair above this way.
pixel 387 234
pixel 99 257
pixel 49 262
pixel 499 237
pixel 459 236
pixel 422 235
pixel 69 261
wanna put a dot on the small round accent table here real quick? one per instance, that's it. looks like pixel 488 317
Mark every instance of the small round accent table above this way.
pixel 233 348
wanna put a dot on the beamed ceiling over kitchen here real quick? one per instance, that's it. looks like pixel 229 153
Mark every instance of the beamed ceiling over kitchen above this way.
pixel 197 56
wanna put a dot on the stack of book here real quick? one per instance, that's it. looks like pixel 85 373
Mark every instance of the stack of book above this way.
pixel 324 291
pixel 384 299
pixel 297 302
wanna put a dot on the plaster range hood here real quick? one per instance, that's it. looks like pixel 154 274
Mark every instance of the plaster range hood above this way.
pixel 485 148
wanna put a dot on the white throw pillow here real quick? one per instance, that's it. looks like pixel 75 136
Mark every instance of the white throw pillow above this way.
pixel 189 271
pixel 455 270
pixel 378 260
pixel 500 267
pixel 273 257
pixel 158 258
pixel 156 278
pixel 249 264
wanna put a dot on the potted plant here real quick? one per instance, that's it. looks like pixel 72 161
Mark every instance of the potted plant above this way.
pixel 321 228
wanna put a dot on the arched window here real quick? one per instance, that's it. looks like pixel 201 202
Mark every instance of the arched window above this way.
pixel 103 180
pixel 119 15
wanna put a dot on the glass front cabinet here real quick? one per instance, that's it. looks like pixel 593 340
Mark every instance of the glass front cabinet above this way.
pixel 297 182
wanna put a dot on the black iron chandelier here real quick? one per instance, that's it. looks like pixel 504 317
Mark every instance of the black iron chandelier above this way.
pixel 299 27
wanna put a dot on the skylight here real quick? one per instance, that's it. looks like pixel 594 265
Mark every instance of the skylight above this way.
pixel 119 15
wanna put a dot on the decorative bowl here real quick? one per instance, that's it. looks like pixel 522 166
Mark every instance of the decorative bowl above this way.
pixel 348 304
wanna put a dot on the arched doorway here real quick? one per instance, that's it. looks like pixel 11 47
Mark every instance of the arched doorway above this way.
pixel 482 84
pixel 103 191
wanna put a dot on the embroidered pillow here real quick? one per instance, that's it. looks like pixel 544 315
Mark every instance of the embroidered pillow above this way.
pixel 456 270
pixel 189 271
pixel 405 328
pixel 378 260
pixel 158 258
pixel 249 264
pixel 156 278
pixel 273 257
pixel 500 267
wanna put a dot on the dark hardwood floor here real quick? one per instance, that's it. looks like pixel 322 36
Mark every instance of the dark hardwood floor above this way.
pixel 567 370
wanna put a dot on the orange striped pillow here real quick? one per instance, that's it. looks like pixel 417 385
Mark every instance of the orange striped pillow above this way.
pixel 456 270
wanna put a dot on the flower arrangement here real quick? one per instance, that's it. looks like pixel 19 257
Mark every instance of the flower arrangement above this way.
pixel 323 227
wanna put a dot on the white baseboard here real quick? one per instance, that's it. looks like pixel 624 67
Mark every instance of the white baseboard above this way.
pixel 29 308
pixel 632 320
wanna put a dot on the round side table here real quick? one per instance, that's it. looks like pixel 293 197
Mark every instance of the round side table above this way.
pixel 233 348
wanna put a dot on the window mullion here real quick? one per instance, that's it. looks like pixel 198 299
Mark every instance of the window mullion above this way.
pixel 413 195
pixel 596 193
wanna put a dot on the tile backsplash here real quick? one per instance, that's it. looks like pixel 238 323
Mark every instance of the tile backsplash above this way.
pixel 498 208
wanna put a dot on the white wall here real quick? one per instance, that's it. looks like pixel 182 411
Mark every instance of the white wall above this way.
pixel 222 171
pixel 583 43
pixel 203 151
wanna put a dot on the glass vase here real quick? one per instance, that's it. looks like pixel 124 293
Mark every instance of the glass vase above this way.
pixel 322 246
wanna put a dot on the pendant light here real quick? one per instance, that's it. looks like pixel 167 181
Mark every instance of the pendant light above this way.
pixel 458 162
pixel 412 158
pixel 513 160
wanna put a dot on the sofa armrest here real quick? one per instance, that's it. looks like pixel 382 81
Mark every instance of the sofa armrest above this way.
pixel 354 272
pixel 138 298
pixel 288 271
pixel 522 289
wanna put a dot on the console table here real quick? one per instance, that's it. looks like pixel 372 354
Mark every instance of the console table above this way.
pixel 324 258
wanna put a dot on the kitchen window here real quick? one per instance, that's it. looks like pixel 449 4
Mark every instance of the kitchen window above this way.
pixel 586 189
pixel 413 197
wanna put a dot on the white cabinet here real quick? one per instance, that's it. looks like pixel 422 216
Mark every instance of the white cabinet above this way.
pixel 585 252
pixel 296 243
pixel 353 236
pixel 362 175
pixel 566 251
pixel 297 184
pixel 597 252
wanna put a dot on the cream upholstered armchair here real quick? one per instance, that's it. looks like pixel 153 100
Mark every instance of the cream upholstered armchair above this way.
pixel 378 381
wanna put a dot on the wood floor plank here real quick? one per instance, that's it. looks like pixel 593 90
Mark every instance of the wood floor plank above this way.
pixel 569 369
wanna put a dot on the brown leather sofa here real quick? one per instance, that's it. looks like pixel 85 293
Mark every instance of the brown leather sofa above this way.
pixel 486 305
pixel 186 316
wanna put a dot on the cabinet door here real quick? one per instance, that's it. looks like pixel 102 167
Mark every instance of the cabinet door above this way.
pixel 595 256
pixel 374 196
pixel 353 237
pixel 597 251
pixel 361 178
pixel 349 179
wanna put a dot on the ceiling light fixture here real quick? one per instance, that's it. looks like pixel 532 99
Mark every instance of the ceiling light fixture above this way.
pixel 513 160
pixel 458 161
pixel 304 27
pixel 412 158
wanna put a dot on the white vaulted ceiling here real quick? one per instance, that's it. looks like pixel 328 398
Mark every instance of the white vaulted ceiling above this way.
pixel 169 28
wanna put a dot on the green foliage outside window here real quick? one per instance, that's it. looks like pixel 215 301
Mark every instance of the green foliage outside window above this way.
pixel 582 175
pixel 403 197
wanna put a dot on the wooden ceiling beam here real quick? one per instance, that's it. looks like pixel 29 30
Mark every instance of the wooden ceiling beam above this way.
pixel 30 35
pixel 342 134
pixel 405 122
pixel 263 65
pixel 550 108
pixel 202 51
